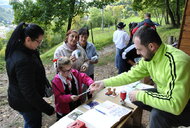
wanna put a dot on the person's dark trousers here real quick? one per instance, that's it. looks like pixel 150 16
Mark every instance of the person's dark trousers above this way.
pixel 88 94
pixel 162 119
pixel 92 76
pixel 32 119
pixel 123 66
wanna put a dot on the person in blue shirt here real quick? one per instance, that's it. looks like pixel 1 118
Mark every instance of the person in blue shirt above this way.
pixel 89 49
pixel 147 22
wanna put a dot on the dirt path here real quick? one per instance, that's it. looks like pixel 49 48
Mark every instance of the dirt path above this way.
pixel 11 119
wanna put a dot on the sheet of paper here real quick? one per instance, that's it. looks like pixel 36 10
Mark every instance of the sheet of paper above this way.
pixel 104 115
pixel 113 110
pixel 95 119
pixel 66 120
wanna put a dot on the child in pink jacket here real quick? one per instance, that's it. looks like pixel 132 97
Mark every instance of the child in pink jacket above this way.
pixel 67 85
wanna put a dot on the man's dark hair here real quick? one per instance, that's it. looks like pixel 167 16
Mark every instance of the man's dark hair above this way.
pixel 83 31
pixel 148 15
pixel 147 35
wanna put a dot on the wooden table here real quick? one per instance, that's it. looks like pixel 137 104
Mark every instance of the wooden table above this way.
pixel 132 119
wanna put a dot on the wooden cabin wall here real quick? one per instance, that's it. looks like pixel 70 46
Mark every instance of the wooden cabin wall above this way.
pixel 184 40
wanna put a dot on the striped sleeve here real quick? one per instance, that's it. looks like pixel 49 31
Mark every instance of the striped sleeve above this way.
pixel 174 90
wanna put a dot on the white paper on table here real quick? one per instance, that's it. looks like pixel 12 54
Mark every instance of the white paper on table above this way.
pixel 113 110
pixel 95 119
pixel 65 121
pixel 104 115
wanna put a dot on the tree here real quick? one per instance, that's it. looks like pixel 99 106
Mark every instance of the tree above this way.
pixel 172 8
pixel 44 12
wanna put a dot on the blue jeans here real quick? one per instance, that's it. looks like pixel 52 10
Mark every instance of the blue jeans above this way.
pixel 120 64
pixel 32 119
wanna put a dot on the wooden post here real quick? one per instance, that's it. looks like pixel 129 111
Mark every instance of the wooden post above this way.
pixel 91 32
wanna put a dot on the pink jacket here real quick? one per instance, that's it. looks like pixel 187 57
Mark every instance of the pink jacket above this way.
pixel 62 100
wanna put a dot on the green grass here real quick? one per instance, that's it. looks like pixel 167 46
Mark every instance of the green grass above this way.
pixel 105 59
pixel 47 57
pixel 103 38
pixel 167 31
pixel 2 64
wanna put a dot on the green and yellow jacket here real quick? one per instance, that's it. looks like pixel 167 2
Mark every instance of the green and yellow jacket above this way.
pixel 170 70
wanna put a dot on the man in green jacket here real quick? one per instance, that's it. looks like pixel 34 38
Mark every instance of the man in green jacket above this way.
pixel 169 68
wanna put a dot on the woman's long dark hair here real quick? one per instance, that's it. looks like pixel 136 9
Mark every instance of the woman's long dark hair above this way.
pixel 18 36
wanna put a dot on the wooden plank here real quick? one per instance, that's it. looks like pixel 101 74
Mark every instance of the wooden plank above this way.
pixel 186 35
pixel 187 19
pixel 188 10
pixel 185 42
pixel 186 27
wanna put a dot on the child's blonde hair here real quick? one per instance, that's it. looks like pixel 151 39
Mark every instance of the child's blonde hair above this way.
pixel 62 61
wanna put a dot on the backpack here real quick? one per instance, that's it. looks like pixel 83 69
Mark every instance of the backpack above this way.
pixel 145 24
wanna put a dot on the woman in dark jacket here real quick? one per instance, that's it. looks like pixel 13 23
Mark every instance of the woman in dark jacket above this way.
pixel 26 74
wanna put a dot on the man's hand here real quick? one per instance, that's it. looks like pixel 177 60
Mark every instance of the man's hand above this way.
pixel 132 95
pixel 96 86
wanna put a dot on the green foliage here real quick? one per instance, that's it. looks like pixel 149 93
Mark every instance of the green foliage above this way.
pixel 166 31
pixel 105 59
pixel 47 57
pixel 2 64
pixel 50 40
pixel 25 12
pixel 59 11
pixel 95 17
pixel 102 38
pixel 2 60
pixel 158 8
pixel 1 43
pixel 2 52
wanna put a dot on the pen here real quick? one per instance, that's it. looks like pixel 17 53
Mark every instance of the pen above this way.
pixel 83 93
pixel 88 90
pixel 100 111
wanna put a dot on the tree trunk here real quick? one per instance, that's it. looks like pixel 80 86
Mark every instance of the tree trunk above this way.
pixel 156 14
pixel 177 13
pixel 115 24
pixel 72 10
pixel 102 19
pixel 69 23
pixel 170 13
pixel 162 17
pixel 166 17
